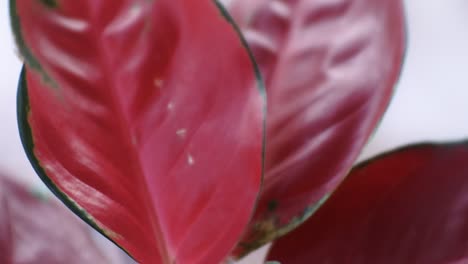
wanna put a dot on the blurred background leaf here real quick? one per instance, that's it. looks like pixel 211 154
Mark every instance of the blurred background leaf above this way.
pixel 35 229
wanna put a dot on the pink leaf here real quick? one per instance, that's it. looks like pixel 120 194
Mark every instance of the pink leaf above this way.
pixel 330 69
pixel 36 230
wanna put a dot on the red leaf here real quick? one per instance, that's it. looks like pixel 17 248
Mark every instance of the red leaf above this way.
pixel 407 206
pixel 330 68
pixel 140 116
pixel 35 230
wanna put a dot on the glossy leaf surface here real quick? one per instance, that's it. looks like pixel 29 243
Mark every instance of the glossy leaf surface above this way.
pixel 140 116
pixel 34 230
pixel 330 68
pixel 408 206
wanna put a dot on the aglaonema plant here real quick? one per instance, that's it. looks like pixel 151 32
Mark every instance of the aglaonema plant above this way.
pixel 186 136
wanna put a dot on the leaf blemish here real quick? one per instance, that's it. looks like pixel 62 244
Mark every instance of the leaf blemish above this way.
pixel 181 132
pixel 158 82
pixel 272 205
pixel 49 3
pixel 170 106
pixel 190 160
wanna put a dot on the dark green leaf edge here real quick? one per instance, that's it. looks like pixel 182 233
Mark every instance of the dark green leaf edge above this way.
pixel 50 3
pixel 268 229
pixel 260 83
pixel 260 86
pixel 24 51
pixel 397 150
pixel 23 110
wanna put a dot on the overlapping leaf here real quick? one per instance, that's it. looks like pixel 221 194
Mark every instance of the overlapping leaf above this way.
pixel 408 206
pixel 6 250
pixel 330 68
pixel 34 230
pixel 140 115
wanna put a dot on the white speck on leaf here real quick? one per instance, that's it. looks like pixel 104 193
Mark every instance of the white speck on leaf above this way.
pixel 170 106
pixel 190 160
pixel 181 132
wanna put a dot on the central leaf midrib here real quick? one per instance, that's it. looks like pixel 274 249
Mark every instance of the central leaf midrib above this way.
pixel 134 157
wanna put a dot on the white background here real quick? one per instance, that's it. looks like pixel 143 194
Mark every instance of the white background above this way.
pixel 431 102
